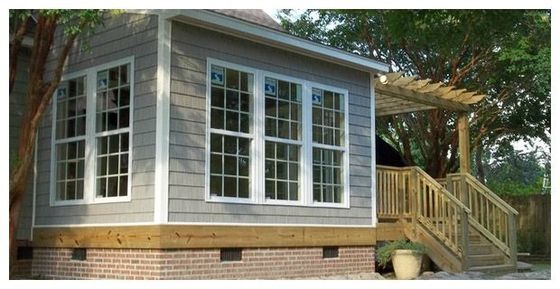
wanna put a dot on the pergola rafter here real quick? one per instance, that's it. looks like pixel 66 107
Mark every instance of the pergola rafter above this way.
pixel 396 93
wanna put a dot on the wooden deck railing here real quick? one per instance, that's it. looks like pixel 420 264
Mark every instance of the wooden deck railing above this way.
pixel 411 193
pixel 491 215
pixel 393 199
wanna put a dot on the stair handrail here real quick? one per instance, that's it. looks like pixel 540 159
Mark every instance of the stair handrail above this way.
pixel 459 246
pixel 507 243
pixel 491 194
pixel 443 189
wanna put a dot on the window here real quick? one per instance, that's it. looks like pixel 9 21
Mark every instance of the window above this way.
pixel 92 135
pixel 71 108
pixel 328 145
pixel 282 139
pixel 112 127
pixel 231 132
pixel 274 139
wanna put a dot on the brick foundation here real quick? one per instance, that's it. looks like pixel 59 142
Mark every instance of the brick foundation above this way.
pixel 256 263
pixel 21 269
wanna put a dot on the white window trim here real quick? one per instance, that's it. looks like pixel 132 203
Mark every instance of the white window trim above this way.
pixel 90 163
pixel 257 177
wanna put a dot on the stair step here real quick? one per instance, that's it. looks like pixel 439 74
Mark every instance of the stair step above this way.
pixel 480 249
pixel 503 268
pixel 472 237
pixel 486 260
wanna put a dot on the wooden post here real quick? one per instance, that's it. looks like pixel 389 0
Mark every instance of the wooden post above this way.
pixel 400 192
pixel 464 143
pixel 463 191
pixel 414 197
pixel 512 231
pixel 465 238
pixel 450 188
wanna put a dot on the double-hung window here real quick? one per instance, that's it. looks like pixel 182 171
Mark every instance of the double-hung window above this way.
pixel 328 145
pixel 92 135
pixel 70 139
pixel 112 131
pixel 283 143
pixel 231 132
pixel 275 139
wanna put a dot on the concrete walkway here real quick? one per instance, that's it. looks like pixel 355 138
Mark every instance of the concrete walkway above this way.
pixel 532 275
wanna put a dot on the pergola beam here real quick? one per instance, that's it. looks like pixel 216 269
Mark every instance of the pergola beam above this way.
pixel 426 99
pixel 407 109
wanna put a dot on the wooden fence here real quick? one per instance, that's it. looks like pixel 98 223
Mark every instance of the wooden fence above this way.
pixel 533 223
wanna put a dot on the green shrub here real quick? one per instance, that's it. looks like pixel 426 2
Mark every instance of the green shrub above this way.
pixel 384 252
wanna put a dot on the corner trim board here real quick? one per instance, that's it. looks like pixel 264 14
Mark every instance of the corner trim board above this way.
pixel 373 148
pixel 161 182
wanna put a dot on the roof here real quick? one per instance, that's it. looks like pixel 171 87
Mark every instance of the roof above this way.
pixel 255 16
pixel 395 93
pixel 257 26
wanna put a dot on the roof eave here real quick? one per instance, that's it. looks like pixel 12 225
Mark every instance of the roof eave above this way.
pixel 261 34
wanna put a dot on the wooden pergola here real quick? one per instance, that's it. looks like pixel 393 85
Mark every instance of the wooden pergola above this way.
pixel 396 94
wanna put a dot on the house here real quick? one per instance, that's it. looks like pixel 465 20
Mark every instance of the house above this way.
pixel 201 144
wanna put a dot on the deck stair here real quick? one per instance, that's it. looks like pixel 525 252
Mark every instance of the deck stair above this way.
pixel 464 225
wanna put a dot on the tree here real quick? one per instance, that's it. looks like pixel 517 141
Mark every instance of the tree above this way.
pixel 502 53
pixel 46 26
pixel 514 172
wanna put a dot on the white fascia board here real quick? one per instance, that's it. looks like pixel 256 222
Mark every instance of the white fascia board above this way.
pixel 261 34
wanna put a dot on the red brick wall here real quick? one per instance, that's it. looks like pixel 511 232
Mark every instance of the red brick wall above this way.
pixel 21 269
pixel 268 263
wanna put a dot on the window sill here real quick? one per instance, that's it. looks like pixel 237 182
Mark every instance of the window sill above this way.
pixel 68 203
pixel 330 205
pixel 124 199
pixel 226 200
pixel 230 200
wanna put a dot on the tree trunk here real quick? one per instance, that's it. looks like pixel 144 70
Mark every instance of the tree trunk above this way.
pixel 38 96
pixel 480 174
pixel 15 209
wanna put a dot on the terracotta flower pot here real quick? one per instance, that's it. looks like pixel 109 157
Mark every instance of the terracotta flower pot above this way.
pixel 407 264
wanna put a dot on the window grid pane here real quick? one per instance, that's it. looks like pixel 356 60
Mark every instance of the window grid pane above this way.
pixel 282 109
pixel 328 117
pixel 69 170
pixel 327 175
pixel 282 171
pixel 230 99
pixel 229 166
pixel 71 108
pixel 113 98
pixel 112 166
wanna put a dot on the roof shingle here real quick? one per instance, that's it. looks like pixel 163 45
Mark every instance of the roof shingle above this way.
pixel 255 16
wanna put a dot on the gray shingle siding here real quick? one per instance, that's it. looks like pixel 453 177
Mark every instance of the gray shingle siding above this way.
pixel 122 36
pixel 17 104
pixel 190 47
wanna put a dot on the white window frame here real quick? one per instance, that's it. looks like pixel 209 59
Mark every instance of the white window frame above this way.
pixel 90 164
pixel 257 151
pixel 262 162
pixel 344 149
pixel 251 135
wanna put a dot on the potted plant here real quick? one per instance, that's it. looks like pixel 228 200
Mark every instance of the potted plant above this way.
pixel 406 257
